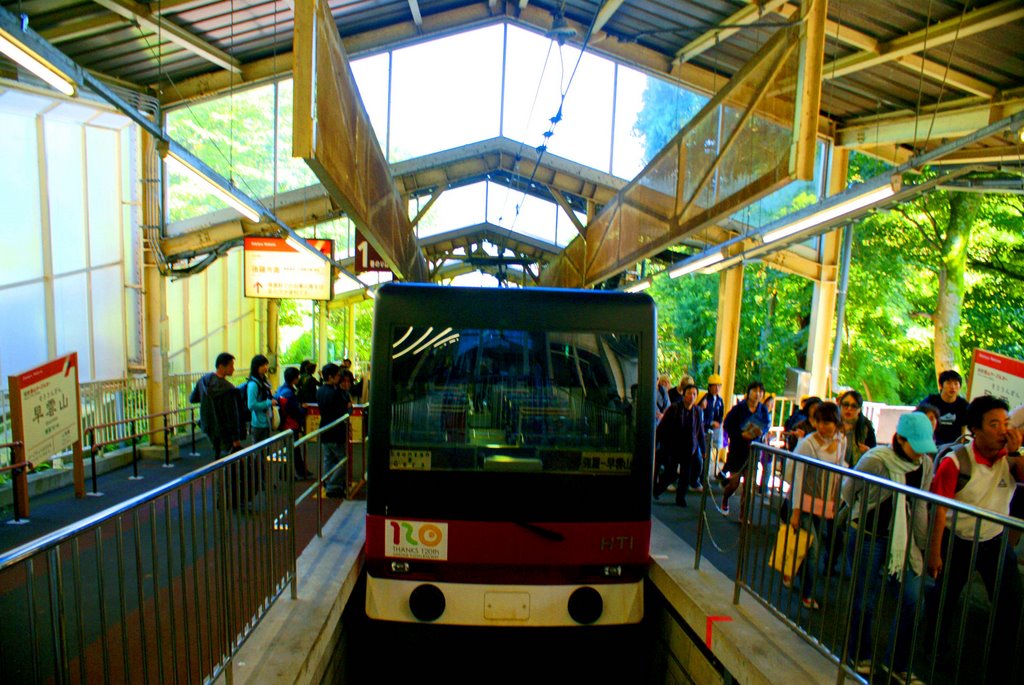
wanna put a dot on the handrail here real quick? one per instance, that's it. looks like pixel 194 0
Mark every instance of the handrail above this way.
pixel 930 497
pixel 321 477
pixel 770 581
pixel 69 531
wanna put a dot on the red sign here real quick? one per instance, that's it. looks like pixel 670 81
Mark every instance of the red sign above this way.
pixel 367 258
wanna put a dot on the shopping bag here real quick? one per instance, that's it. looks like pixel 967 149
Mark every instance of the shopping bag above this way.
pixel 790 550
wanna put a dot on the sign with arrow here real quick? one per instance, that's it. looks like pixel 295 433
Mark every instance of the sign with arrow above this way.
pixel 276 268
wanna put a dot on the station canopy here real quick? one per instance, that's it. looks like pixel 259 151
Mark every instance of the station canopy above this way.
pixel 563 143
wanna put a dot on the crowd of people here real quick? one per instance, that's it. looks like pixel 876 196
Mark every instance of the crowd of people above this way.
pixel 966 451
pixel 229 414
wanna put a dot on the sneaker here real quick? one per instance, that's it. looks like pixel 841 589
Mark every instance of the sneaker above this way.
pixel 725 507
pixel 903 677
pixel 812 604
pixel 862 667
pixel 671 488
pixel 696 488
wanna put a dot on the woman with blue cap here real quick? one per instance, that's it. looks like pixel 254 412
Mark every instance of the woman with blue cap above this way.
pixel 894 530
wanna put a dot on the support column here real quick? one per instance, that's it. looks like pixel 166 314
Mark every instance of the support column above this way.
pixel 272 352
pixel 727 334
pixel 154 289
pixel 823 302
pixel 321 325
pixel 350 333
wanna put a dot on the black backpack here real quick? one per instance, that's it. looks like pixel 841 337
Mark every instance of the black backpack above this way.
pixel 244 415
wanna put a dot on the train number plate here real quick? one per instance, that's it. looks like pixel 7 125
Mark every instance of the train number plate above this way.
pixel 606 462
pixel 410 460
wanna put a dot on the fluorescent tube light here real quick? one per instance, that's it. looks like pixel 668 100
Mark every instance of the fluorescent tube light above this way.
pixel 696 264
pixel 36 64
pixel 639 286
pixel 849 206
pixel 237 204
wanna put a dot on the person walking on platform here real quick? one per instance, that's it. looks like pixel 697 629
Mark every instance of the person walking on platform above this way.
pixel 745 423
pixel 259 398
pixel 984 473
pixel 894 534
pixel 334 402
pixel 293 417
pixel 308 384
pixel 952 408
pixel 860 432
pixel 680 440
pixel 218 406
pixel 715 411
pixel 816 492
pixel 661 400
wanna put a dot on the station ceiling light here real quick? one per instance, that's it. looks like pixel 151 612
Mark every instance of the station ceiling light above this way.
pixel 16 50
pixel 697 263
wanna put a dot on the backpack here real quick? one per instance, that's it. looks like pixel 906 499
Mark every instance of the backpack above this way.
pixel 244 415
pixel 963 458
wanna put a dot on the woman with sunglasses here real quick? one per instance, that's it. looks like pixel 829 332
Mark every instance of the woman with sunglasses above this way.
pixel 859 431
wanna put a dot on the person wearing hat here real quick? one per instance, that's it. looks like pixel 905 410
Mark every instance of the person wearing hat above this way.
pixel 714 409
pixel 983 473
pixel 894 529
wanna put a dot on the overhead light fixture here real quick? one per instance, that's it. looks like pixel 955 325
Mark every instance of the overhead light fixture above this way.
pixel 638 286
pixel 173 159
pixel 696 264
pixel 560 30
pixel 872 195
pixel 36 64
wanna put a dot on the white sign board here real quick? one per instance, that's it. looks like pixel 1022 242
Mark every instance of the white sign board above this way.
pixel 996 375
pixel 45 408
pixel 274 269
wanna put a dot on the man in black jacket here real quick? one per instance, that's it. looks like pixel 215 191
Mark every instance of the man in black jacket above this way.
pixel 333 399
pixel 218 406
pixel 680 440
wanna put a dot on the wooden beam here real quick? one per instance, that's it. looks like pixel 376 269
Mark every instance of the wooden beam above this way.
pixel 414 7
pixel 731 25
pixel 82 27
pixel 472 16
pixel 971 23
pixel 561 202
pixel 426 208
pixel 332 133
pixel 930 124
pixel 154 23
pixel 808 89
pixel 608 8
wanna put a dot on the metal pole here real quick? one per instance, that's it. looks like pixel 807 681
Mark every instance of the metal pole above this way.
pixel 288 444
pixel 705 485
pixel 748 492
pixel 16 494
pixel 192 426
pixel 167 443
pixel 319 487
pixel 135 453
pixel 92 459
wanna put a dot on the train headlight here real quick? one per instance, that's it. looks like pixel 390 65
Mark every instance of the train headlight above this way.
pixel 585 605
pixel 399 566
pixel 427 603
pixel 613 571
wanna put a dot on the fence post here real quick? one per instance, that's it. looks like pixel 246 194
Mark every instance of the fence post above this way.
pixel 705 486
pixel 289 447
pixel 192 423
pixel 135 453
pixel 167 442
pixel 92 460
pixel 746 504
pixel 19 484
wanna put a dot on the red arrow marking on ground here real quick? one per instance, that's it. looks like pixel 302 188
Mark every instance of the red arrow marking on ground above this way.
pixel 712 619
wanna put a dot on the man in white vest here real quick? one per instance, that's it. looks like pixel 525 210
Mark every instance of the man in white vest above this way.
pixel 983 473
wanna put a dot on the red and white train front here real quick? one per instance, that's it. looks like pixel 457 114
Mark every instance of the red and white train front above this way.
pixel 510 461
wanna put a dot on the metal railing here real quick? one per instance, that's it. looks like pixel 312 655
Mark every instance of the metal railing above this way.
pixel 132 430
pixel 870 609
pixel 164 587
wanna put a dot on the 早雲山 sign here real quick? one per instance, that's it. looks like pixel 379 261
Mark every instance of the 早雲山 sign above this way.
pixel 45 408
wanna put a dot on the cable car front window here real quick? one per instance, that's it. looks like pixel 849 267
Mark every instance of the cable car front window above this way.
pixel 512 400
